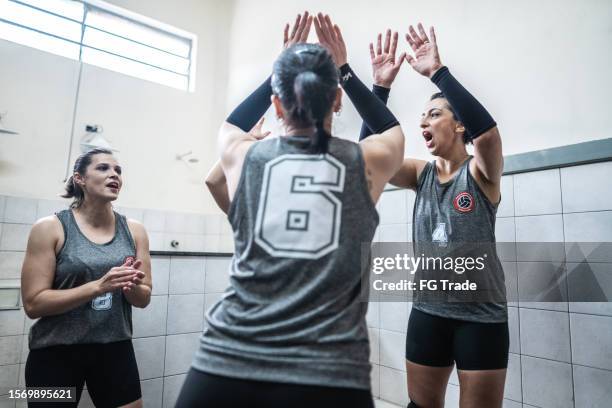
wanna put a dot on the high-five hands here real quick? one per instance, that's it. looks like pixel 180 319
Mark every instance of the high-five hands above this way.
pixel 385 65
pixel 300 31
pixel 426 60
pixel 330 37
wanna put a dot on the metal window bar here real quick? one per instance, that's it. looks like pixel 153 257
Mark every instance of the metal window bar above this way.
pixel 84 26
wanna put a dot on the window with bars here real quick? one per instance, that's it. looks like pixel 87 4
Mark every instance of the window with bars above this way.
pixel 104 35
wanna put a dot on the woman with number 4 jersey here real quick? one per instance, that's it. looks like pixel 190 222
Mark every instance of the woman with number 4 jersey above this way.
pixel 456 200
pixel 291 330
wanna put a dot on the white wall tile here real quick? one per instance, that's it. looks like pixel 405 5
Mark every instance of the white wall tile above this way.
pixel 374 337
pixel 213 225
pixel 10 264
pixel 44 208
pixel 212 243
pixel 217 274
pixel 511 280
pixel 185 313
pixel 226 244
pixel 20 210
pixel 394 316
pixel 590 227
pixel 513 390
pixel 154 220
pixel 394 208
pixel 505 236
pixel 150 353
pixel 152 392
pixel 547 383
pixel 587 187
pixel 506 205
pixel 9 376
pixel 11 322
pixel 25 349
pixel 156 241
pixel 590 287
pixel 535 285
pixel 591 340
pixel 373 314
pixel 410 200
pixel 375 380
pixel 2 207
pixel 451 399
pixel 160 271
pixel 135 214
pixel 10 349
pixel 180 350
pixel 393 386
pixel 187 275
pixel 513 328
pixel 511 404
pixel 393 233
pixel 14 237
pixel 151 321
pixel 545 334
pixel 393 349
pixel 593 387
pixel 537 193
pixel 540 238
pixel 172 388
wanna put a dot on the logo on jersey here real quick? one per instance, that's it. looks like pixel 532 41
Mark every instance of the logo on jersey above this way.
pixel 129 259
pixel 464 202
pixel 102 302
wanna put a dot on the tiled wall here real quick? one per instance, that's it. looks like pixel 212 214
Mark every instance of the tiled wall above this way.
pixel 560 353
pixel 166 332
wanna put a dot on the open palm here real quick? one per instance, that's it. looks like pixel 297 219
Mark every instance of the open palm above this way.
pixel 426 60
pixel 385 65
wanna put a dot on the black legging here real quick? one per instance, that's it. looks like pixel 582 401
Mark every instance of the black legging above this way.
pixel 204 390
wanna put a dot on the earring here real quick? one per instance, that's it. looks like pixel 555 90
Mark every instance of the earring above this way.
pixel 339 111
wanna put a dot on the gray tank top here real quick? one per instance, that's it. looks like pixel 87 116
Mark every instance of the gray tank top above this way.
pixel 293 312
pixel 105 319
pixel 457 215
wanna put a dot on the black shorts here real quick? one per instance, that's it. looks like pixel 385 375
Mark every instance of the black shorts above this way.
pixel 109 370
pixel 438 342
pixel 207 390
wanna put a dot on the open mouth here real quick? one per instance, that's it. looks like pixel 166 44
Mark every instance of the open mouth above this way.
pixel 113 185
pixel 428 138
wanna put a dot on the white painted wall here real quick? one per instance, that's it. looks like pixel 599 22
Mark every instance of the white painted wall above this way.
pixel 147 122
pixel 540 67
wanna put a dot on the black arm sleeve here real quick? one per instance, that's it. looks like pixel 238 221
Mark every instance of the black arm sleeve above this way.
pixel 471 113
pixel 371 109
pixel 246 115
pixel 383 95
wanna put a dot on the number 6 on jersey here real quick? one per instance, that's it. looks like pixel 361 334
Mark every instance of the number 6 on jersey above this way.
pixel 298 216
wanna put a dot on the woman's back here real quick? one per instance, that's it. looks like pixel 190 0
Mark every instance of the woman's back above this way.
pixel 295 309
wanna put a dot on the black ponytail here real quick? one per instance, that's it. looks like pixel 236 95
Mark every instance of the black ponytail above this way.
pixel 73 190
pixel 306 81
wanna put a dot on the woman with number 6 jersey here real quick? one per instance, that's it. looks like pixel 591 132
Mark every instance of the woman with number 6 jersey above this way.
pixel 84 269
pixel 291 328
pixel 456 201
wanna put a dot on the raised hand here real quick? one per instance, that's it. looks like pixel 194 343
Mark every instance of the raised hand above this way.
pixel 426 60
pixel 256 131
pixel 300 31
pixel 384 64
pixel 330 37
